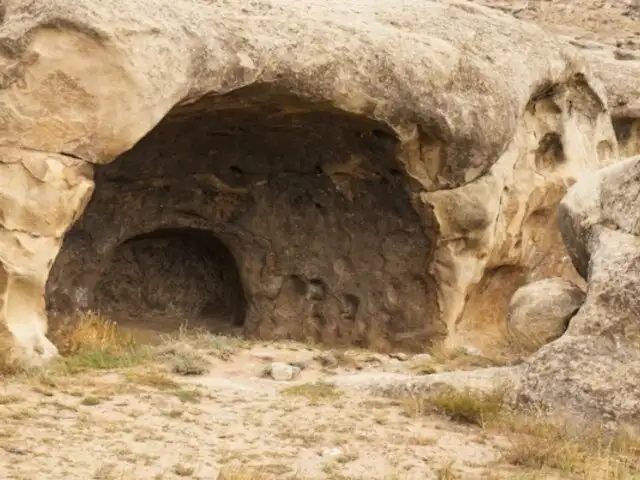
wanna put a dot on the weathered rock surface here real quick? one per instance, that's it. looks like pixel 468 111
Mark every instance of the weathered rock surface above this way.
pixel 608 35
pixel 350 172
pixel 281 372
pixel 540 311
pixel 593 369
pixel 485 380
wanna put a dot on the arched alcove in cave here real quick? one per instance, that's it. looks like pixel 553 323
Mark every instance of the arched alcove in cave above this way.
pixel 172 274
pixel 309 201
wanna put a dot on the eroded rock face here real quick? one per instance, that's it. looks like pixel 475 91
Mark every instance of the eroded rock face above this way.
pixel 540 311
pixel 593 368
pixel 619 70
pixel 370 173
pixel 322 251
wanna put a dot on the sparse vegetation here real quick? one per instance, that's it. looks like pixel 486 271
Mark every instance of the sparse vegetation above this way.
pixel 182 470
pixel 183 359
pixel 241 473
pixel 316 392
pixel 531 445
pixel 467 406
pixel 90 341
pixel 591 452
pixel 153 379
pixel 203 341
pixel 188 396
pixel 537 443
pixel 90 401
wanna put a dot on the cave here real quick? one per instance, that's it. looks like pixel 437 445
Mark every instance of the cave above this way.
pixel 160 278
pixel 257 212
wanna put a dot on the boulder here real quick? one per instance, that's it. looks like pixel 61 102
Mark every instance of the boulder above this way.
pixel 350 172
pixel 592 370
pixel 540 311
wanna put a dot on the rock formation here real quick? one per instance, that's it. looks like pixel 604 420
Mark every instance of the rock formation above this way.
pixel 593 369
pixel 540 311
pixel 350 172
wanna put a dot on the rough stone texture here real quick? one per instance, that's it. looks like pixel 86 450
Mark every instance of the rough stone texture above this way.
pixel 608 35
pixel 620 73
pixel 376 173
pixel 540 311
pixel 593 369
pixel 485 380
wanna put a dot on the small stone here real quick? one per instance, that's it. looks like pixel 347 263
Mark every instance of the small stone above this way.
pixel 331 452
pixel 403 357
pixel 471 350
pixel 282 371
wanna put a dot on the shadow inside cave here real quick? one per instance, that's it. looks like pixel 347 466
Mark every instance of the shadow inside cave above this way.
pixel 261 212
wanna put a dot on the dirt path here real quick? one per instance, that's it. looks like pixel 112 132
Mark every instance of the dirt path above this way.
pixel 143 423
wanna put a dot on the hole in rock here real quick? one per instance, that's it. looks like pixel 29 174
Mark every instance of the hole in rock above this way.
pixel 550 151
pixel 267 210
pixel 161 278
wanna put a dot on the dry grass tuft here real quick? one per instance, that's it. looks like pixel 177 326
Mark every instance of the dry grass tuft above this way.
pixel 466 406
pixel 589 452
pixel 155 380
pixel 90 341
pixel 241 473
pixel 219 346
pixel 316 392
pixel 89 331
pixel 183 359
pixel 538 443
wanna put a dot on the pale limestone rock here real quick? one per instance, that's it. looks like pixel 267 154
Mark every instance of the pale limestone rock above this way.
pixel 437 154
pixel 282 372
pixel 540 311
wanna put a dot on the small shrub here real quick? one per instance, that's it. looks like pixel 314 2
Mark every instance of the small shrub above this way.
pixel 92 342
pixel 183 470
pixel 183 359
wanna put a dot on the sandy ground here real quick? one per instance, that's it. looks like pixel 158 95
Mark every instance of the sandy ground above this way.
pixel 141 423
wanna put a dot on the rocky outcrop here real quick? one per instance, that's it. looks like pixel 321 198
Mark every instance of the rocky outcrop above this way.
pixel 373 173
pixel 540 311
pixel 619 70
pixel 593 369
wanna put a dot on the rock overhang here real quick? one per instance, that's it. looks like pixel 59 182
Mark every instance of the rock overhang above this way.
pixel 442 75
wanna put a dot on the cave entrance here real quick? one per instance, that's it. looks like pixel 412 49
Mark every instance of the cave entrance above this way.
pixel 162 279
pixel 310 201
